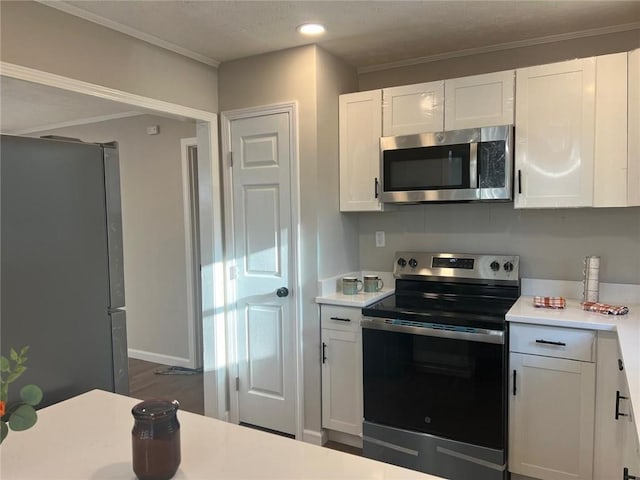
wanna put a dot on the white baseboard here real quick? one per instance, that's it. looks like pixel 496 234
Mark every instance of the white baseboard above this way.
pixel 314 437
pixel 159 358
pixel 344 438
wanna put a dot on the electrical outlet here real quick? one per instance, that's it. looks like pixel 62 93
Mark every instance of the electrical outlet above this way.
pixel 380 241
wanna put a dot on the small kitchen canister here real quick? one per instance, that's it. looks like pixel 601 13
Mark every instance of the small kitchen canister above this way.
pixel 372 283
pixel 351 285
pixel 155 439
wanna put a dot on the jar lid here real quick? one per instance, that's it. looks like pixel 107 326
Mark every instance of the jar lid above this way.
pixel 154 409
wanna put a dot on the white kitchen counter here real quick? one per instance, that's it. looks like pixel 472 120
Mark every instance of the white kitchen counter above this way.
pixel 361 299
pixel 627 327
pixel 89 437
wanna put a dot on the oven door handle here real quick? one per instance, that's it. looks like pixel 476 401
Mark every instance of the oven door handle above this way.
pixel 480 335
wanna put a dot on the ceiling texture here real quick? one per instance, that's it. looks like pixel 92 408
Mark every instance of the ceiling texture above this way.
pixel 367 34
pixel 370 35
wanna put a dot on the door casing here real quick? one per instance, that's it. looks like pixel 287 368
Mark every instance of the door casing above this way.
pixel 230 258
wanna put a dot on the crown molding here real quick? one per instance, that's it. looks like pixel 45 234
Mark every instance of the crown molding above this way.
pixel 132 32
pixel 501 46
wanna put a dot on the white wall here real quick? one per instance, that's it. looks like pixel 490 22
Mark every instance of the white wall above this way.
pixel 40 37
pixel 153 231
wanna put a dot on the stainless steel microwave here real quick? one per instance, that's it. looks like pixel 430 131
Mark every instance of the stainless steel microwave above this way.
pixel 475 164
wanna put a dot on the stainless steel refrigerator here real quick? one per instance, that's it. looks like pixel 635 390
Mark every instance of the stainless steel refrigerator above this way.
pixel 62 280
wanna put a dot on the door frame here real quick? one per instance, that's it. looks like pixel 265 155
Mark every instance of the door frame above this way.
pixel 194 329
pixel 291 108
pixel 211 237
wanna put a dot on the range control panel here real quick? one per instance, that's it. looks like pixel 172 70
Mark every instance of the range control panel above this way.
pixel 457 265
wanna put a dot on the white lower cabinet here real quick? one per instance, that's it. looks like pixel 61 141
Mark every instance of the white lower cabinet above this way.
pixel 341 369
pixel 551 407
pixel 616 442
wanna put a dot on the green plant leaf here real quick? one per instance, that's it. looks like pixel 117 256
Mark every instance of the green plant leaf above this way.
pixel 5 366
pixel 16 373
pixel 24 350
pixel 13 355
pixel 4 431
pixel 23 418
pixel 31 394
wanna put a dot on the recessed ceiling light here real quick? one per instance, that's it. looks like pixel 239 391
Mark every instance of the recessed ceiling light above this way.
pixel 311 29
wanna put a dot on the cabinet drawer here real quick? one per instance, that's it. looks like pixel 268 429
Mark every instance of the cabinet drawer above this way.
pixel 570 343
pixel 340 318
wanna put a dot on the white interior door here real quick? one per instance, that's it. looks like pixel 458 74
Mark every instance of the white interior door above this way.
pixel 266 351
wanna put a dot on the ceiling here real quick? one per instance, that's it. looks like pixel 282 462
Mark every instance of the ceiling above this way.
pixel 366 34
pixel 29 107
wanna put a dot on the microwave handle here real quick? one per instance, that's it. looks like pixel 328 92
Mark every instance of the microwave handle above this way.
pixel 473 165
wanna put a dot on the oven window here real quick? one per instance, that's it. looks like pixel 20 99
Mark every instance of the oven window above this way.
pixel 449 388
pixel 426 168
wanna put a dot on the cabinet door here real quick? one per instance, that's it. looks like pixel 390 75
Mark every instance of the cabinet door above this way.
pixel 413 109
pixel 551 417
pixel 342 381
pixel 610 157
pixel 360 131
pixel 610 432
pixel 634 128
pixel 479 101
pixel 555 134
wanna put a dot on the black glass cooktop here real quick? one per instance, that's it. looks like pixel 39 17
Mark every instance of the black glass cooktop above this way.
pixel 482 306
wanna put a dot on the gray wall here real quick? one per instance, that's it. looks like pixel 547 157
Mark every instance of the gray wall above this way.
pixel 551 243
pixel 36 36
pixel 501 60
pixel 293 75
pixel 153 229
pixel 337 233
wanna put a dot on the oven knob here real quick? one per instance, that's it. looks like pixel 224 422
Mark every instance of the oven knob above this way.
pixel 495 266
pixel 413 263
pixel 508 266
pixel 402 262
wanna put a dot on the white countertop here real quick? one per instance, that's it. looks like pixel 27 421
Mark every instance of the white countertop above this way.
pixel 89 437
pixel 627 326
pixel 361 299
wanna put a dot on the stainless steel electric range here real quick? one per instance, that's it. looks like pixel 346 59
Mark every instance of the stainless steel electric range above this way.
pixel 435 363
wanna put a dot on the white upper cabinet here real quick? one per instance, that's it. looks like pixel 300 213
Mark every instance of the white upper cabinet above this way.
pixel 360 131
pixel 479 101
pixel 610 182
pixel 554 151
pixel 634 128
pixel 413 109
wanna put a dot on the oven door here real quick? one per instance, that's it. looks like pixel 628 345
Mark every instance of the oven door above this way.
pixel 435 379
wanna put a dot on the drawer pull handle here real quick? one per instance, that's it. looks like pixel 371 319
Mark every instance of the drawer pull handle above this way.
pixel 341 319
pixel 618 398
pixel 514 383
pixel 549 342
pixel 620 365
pixel 626 476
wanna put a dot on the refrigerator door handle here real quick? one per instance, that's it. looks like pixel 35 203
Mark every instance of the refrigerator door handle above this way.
pixel 120 351
pixel 114 224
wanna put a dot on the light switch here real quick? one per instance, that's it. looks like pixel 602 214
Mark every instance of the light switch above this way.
pixel 380 242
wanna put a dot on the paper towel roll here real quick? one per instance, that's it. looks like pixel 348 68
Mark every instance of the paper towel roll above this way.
pixel 591 279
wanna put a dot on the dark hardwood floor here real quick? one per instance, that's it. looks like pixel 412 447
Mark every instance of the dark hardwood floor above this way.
pixel 145 383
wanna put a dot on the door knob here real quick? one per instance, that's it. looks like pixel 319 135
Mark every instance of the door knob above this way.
pixel 282 292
